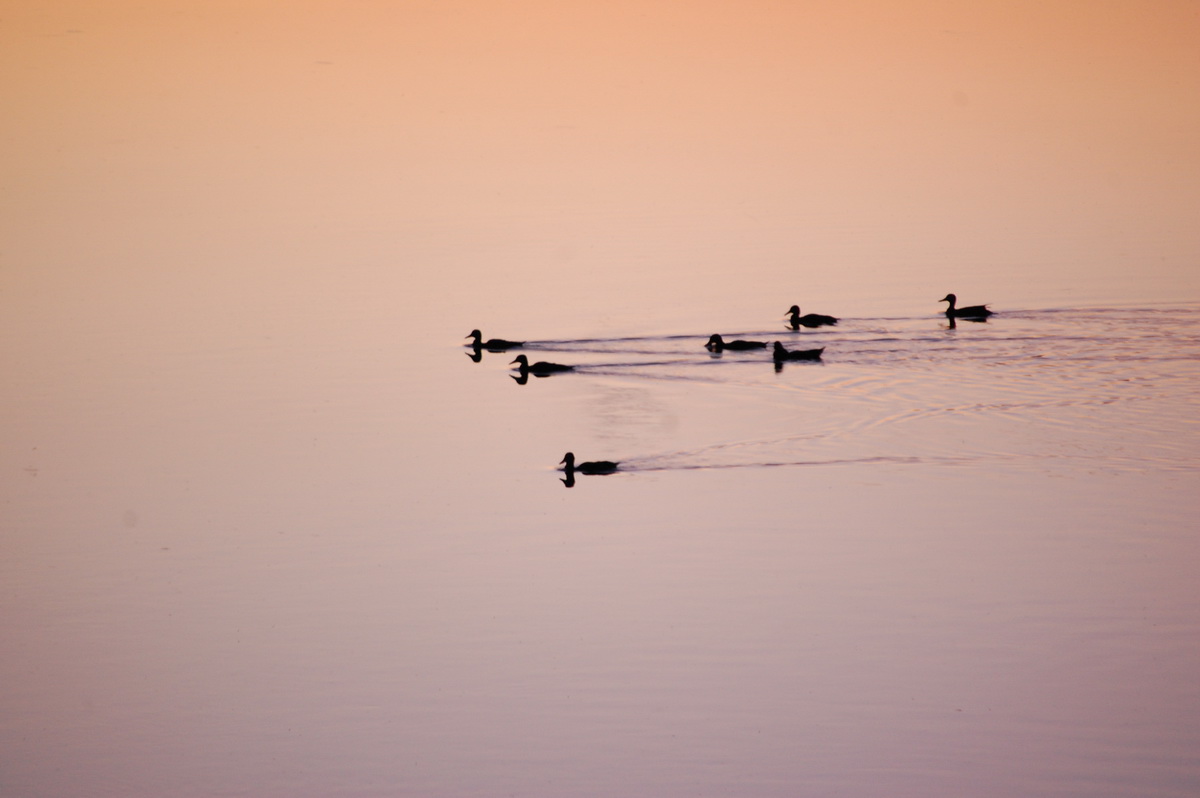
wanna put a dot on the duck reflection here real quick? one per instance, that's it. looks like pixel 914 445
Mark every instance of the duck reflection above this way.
pixel 539 369
pixel 492 344
pixel 952 323
pixel 569 467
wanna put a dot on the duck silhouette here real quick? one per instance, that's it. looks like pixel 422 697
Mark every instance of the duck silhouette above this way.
pixel 493 344
pixel 780 354
pixel 809 319
pixel 972 312
pixel 717 344
pixel 589 467
pixel 539 369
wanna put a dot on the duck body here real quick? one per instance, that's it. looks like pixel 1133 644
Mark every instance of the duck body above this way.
pixel 970 312
pixel 541 368
pixel 809 319
pixel 780 354
pixel 588 467
pixel 717 344
pixel 493 344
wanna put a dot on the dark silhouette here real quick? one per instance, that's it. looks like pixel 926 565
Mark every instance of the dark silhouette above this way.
pixel 780 354
pixel 539 369
pixel 809 319
pixel 591 467
pixel 718 344
pixel 971 313
pixel 494 344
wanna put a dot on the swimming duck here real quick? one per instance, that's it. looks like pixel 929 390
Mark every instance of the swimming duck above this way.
pixel 809 319
pixel 494 344
pixel 541 368
pixel 591 467
pixel 716 344
pixel 972 312
pixel 782 354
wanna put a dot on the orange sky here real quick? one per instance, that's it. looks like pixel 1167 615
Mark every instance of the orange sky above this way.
pixel 1015 115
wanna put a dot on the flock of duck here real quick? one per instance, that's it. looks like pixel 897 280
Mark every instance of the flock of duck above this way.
pixel 716 344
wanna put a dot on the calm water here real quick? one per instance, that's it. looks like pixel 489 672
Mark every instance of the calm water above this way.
pixel 268 530
pixel 940 560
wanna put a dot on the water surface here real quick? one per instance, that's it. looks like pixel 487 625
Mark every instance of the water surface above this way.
pixel 268 529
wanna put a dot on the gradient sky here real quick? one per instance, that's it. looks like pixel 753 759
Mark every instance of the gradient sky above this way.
pixel 257 488
pixel 1064 124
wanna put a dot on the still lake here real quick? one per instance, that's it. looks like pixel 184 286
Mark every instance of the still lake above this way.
pixel 281 536
pixel 266 529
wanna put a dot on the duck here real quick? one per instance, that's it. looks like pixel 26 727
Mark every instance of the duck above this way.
pixel 541 368
pixel 809 319
pixel 972 312
pixel 494 344
pixel 716 344
pixel 590 467
pixel 782 354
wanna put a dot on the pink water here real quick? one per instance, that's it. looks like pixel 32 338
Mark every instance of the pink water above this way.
pixel 267 530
